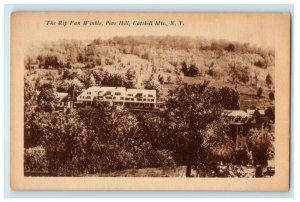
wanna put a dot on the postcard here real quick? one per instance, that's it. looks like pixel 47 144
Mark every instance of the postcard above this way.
pixel 150 101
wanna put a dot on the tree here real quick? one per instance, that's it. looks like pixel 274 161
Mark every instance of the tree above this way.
pixel 269 80
pixel 270 113
pixel 271 96
pixel 90 81
pixel 29 92
pixel 261 144
pixel 230 47
pixel 184 68
pixel 64 139
pixel 46 99
pixel 130 74
pixel 228 98
pixel 259 92
pixel 161 79
pixel 153 84
pixel 32 119
pixel 193 70
pixel 219 148
pixel 239 72
pixel 190 109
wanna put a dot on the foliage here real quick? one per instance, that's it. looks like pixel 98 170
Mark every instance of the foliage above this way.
pixel 130 74
pixel 269 80
pixel 270 113
pixel 47 99
pixel 153 84
pixel 190 110
pixel 64 139
pixel 261 145
pixel 192 70
pixel 219 148
pixel 240 72
pixel 259 92
pixel 228 98
pixel 35 160
pixel 271 96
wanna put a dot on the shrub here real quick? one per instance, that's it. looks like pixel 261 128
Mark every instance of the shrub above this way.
pixel 35 160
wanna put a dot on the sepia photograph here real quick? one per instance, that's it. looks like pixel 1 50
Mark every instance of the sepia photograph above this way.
pixel 188 96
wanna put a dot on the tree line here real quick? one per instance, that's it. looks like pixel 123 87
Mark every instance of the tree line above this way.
pixel 192 132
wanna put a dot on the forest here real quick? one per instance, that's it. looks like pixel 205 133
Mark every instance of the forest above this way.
pixel 198 79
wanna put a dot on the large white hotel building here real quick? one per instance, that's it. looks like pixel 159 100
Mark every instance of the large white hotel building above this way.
pixel 119 96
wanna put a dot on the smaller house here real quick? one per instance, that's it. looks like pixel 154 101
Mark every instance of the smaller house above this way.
pixel 63 100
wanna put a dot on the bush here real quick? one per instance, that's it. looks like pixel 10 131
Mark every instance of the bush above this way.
pixel 35 160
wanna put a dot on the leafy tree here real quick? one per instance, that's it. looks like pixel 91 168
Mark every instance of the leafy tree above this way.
pixel 270 113
pixel 130 74
pixel 228 98
pixel 259 92
pixel 230 47
pixel 184 68
pixel 153 84
pixel 219 148
pixel 261 144
pixel 32 119
pixel 46 99
pixel 64 139
pixel 49 59
pixel 269 80
pixel 190 110
pixel 29 92
pixel 239 71
pixel 161 79
pixel 193 70
pixel 90 81
pixel 271 96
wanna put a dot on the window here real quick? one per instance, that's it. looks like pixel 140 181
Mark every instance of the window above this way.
pixel 150 95
pixel 117 93
pixel 144 99
pixel 129 94
pixel 114 98
pixel 139 99
pixel 88 93
pixel 132 99
pixel 148 100
pixel 127 98
pixel 152 100
pixel 122 98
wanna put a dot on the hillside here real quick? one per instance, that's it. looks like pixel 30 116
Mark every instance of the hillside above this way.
pixel 166 59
